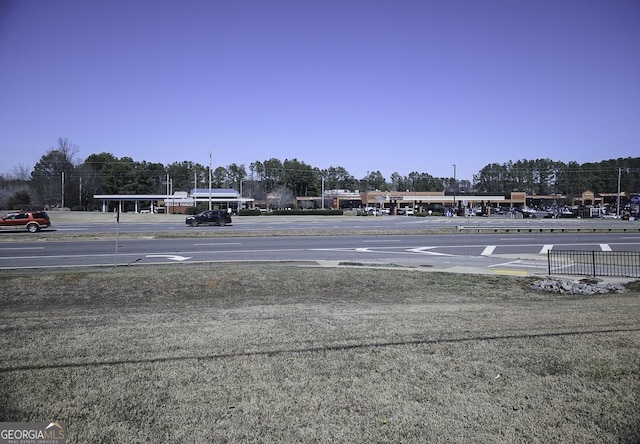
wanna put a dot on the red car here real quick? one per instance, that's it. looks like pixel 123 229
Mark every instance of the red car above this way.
pixel 32 221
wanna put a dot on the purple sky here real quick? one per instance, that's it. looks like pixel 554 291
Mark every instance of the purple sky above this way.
pixel 394 86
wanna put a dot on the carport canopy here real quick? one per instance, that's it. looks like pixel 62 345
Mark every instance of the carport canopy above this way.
pixel 136 198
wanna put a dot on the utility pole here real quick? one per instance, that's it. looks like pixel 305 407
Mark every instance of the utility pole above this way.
pixel 618 203
pixel 166 201
pixel 195 186
pixel 455 210
pixel 210 163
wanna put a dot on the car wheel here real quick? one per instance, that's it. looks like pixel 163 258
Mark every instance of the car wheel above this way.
pixel 194 223
pixel 221 221
pixel 33 228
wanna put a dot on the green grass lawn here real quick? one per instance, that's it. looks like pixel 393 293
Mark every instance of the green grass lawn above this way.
pixel 248 353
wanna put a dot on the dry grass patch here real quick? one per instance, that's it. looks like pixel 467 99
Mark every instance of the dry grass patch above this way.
pixel 288 354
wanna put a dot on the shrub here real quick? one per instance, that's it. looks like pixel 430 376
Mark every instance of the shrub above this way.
pixel 306 212
pixel 203 206
pixel 433 213
pixel 252 212
pixel 21 199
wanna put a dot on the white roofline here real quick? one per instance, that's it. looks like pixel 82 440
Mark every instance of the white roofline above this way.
pixel 170 197
pixel 132 196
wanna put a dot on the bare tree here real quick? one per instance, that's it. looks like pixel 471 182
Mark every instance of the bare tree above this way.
pixel 68 150
pixel 21 172
pixel 53 176
pixel 282 197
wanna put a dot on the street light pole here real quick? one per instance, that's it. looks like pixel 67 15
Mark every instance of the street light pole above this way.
pixel 210 163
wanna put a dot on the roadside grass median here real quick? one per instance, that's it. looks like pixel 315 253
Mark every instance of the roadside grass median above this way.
pixel 275 353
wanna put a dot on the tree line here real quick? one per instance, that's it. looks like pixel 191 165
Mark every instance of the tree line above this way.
pixel 60 179
pixel 548 177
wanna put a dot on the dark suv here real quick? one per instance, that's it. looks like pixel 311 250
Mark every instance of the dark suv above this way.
pixel 33 221
pixel 216 217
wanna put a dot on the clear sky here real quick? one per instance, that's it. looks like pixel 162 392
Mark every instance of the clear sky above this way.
pixel 370 85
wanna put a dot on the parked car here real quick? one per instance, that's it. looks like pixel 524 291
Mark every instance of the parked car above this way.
pixel 568 213
pixel 375 211
pixel 406 211
pixel 209 217
pixel 32 221
pixel 535 214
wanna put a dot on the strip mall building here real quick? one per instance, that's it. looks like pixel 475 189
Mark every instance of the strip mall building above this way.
pixel 178 202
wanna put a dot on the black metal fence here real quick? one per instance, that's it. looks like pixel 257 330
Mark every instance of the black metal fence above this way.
pixel 594 263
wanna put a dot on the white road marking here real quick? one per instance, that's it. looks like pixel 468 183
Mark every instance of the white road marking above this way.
pixel 217 244
pixel 425 250
pixel 545 249
pixel 488 250
pixel 519 263
pixel 605 247
pixel 173 257
pixel 380 240
pixel 22 248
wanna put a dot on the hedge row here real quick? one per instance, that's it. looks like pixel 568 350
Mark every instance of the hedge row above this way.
pixel 256 212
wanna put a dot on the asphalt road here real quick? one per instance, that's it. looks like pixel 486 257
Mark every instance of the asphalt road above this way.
pixel 396 244
pixel 400 224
